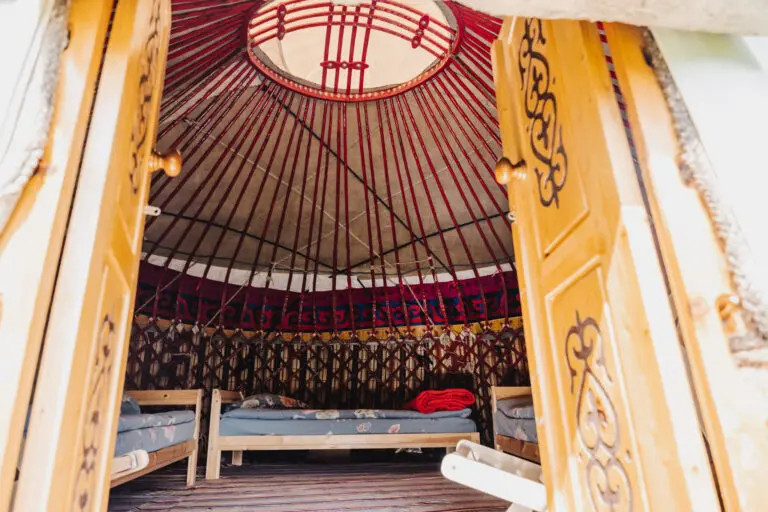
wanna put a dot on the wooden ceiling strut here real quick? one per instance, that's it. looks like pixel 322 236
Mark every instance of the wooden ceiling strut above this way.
pixel 272 115
pixel 191 141
pixel 294 251
pixel 408 219
pixel 312 224
pixel 431 203
pixel 180 239
pixel 441 189
pixel 277 189
pixel 382 202
pixel 297 148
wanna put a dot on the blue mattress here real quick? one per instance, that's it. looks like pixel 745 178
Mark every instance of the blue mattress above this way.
pixel 515 418
pixel 152 432
pixel 263 422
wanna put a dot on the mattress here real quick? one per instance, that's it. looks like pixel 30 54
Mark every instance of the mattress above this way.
pixel 264 422
pixel 152 432
pixel 515 418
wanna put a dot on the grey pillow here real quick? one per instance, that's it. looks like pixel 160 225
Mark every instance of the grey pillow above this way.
pixel 129 405
pixel 519 407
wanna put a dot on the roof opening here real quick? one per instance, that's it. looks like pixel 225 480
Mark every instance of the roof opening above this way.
pixel 351 51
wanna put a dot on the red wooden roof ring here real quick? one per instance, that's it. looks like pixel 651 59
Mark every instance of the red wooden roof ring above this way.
pixel 347 34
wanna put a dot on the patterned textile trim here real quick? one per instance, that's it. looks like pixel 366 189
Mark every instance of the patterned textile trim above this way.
pixel 163 293
pixel 417 332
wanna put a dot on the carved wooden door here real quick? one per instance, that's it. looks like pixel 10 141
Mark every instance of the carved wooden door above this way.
pixel 70 439
pixel 617 424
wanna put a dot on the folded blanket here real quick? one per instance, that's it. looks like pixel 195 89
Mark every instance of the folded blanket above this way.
pixel 519 407
pixel 428 402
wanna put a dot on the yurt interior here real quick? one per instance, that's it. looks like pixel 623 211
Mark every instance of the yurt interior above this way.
pixel 335 245
pixel 377 255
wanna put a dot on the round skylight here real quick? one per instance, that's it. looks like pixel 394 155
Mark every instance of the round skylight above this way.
pixel 351 51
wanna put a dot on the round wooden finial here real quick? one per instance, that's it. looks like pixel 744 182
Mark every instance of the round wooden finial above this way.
pixel 170 163
pixel 173 164
pixel 504 171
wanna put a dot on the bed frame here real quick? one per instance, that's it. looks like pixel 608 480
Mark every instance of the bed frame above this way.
pixel 136 464
pixel 523 449
pixel 238 444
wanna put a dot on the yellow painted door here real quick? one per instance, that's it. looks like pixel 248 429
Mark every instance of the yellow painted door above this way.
pixel 70 440
pixel 616 420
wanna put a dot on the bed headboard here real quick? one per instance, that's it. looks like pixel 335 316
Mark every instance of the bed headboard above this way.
pixel 228 397
pixel 502 392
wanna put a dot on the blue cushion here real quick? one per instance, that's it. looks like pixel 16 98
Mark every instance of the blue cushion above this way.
pixel 129 406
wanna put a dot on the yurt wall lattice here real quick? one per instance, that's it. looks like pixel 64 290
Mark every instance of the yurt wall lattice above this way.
pixel 326 374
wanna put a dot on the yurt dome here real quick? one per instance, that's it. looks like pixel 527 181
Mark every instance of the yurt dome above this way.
pixel 338 171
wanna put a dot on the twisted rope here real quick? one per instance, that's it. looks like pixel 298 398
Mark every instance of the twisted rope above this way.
pixel 697 172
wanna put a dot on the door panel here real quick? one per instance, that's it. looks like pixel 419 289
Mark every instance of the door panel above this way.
pixel 28 261
pixel 70 442
pixel 558 209
pixel 616 420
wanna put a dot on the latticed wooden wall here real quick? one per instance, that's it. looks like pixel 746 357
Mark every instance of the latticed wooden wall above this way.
pixel 375 373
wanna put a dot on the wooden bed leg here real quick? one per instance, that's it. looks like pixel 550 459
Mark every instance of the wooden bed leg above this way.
pixel 192 462
pixel 237 458
pixel 214 452
pixel 192 469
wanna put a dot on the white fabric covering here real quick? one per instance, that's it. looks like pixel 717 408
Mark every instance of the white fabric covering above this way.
pixel 719 16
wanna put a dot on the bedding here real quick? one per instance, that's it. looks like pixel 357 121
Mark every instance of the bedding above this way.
pixel 271 401
pixel 515 418
pixel 243 422
pixel 442 400
pixel 152 432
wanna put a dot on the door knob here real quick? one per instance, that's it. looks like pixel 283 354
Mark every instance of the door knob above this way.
pixel 506 171
pixel 170 163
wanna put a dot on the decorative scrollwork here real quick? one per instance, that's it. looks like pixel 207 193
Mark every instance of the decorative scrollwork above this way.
pixel 148 64
pixel 597 420
pixel 93 430
pixel 545 132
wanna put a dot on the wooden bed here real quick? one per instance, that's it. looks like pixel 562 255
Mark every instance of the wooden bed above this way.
pixel 238 444
pixel 133 465
pixel 523 449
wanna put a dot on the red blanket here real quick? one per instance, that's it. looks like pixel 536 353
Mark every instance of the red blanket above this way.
pixel 446 400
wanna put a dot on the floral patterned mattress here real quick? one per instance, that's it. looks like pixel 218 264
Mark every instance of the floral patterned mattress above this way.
pixel 515 418
pixel 249 422
pixel 152 432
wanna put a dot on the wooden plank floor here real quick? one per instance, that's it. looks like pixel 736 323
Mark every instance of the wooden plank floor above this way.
pixel 361 487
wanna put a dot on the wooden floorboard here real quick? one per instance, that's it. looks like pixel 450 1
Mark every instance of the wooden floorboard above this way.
pixel 303 487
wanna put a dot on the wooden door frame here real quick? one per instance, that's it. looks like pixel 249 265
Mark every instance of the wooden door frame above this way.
pixel 73 417
pixel 730 395
pixel 696 484
pixel 29 260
